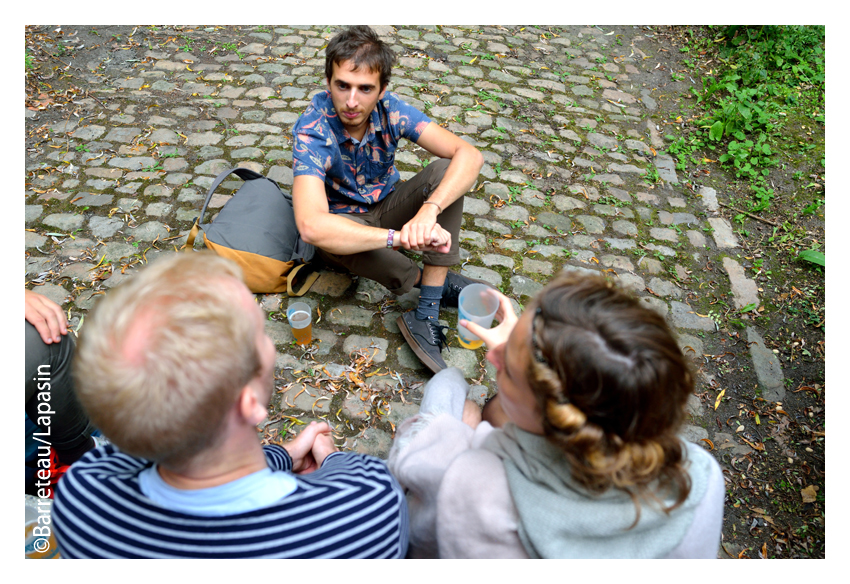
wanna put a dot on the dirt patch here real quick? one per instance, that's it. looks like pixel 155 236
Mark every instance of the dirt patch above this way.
pixel 774 462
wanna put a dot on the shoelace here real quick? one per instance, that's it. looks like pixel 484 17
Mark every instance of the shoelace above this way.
pixel 437 334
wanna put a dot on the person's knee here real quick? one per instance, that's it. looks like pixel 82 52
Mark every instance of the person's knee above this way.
pixel 441 165
pixel 398 285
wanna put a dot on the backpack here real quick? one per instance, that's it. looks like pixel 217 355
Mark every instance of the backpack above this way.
pixel 256 229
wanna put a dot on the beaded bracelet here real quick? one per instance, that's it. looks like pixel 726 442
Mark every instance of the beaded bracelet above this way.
pixel 434 203
pixel 390 237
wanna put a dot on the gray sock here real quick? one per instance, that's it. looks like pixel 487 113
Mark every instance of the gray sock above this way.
pixel 429 302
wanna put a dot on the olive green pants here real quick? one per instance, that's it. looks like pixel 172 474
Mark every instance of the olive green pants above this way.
pixel 393 269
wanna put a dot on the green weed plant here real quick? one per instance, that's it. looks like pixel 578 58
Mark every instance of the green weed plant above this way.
pixel 767 74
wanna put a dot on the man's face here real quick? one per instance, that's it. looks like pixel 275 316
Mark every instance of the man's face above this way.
pixel 354 95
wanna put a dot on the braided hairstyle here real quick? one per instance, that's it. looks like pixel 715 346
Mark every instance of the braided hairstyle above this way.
pixel 612 384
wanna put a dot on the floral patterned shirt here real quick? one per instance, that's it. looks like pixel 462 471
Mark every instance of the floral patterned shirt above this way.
pixel 356 174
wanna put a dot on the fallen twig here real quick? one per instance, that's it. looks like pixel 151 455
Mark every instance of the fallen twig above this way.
pixel 750 215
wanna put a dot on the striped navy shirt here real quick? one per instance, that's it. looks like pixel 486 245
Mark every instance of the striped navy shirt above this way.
pixel 352 507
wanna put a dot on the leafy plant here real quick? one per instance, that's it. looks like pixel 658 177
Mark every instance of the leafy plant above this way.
pixel 612 201
pixel 764 75
pixel 814 256
pixel 651 177
pixel 813 206
pixel 484 95
pixel 748 157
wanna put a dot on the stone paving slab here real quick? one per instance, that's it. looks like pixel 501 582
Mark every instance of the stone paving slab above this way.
pixel 565 125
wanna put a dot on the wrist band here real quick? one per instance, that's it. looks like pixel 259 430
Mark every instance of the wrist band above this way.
pixel 433 203
pixel 390 236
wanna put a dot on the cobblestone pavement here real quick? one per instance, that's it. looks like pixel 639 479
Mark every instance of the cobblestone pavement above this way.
pixel 573 180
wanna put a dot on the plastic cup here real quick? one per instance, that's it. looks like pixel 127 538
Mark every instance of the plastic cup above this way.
pixel 300 317
pixel 475 304
pixel 39 544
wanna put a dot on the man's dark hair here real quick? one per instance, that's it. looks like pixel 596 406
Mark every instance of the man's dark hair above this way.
pixel 361 46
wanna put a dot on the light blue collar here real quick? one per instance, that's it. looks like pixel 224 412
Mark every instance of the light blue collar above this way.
pixel 248 493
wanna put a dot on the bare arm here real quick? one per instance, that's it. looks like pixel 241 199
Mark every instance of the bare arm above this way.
pixel 463 170
pixel 319 227
pixel 338 235
pixel 465 165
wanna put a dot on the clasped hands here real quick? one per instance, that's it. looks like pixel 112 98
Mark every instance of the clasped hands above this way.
pixel 309 449
pixel 423 233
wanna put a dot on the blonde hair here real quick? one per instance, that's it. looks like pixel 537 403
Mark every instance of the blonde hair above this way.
pixel 612 385
pixel 163 357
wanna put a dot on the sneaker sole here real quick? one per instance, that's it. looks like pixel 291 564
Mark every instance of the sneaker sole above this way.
pixel 426 359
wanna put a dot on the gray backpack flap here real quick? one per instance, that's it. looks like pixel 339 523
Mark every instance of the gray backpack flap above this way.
pixel 256 229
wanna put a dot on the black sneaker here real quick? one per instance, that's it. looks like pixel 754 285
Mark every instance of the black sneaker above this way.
pixel 426 338
pixel 454 284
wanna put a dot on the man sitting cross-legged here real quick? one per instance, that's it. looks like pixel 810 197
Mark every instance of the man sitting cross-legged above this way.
pixel 347 197
pixel 176 370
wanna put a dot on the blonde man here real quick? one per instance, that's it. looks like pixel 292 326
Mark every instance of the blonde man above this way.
pixel 176 370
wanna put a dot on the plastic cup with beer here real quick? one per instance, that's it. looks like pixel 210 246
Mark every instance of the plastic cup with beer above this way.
pixel 39 539
pixel 300 317
pixel 475 304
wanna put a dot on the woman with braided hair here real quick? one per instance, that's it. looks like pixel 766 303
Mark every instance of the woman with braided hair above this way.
pixel 578 454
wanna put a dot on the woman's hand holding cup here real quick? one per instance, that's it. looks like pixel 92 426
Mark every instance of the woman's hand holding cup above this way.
pixel 498 335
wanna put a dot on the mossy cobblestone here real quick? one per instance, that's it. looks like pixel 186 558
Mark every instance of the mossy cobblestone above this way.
pixel 569 146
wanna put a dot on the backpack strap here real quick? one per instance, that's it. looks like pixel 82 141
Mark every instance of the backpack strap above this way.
pixel 190 239
pixel 245 174
pixel 308 282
